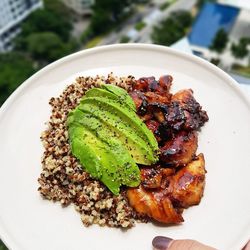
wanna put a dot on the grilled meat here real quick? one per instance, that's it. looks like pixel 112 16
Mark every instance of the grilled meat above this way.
pixel 164 203
pixel 180 111
pixel 195 117
pixel 161 87
pixel 178 179
pixel 151 177
pixel 187 185
pixel 154 204
pixel 180 150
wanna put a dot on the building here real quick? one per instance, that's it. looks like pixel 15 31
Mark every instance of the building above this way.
pixel 242 25
pixel 211 18
pixel 234 18
pixel 81 7
pixel 12 13
pixel 242 4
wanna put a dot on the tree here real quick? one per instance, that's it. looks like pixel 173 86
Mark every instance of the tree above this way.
pixel 2 246
pixel 57 8
pixel 47 46
pixel 44 20
pixel 200 3
pixel 172 29
pixel 240 50
pixel 182 17
pixel 107 13
pixel 14 69
pixel 220 41
pixel 55 17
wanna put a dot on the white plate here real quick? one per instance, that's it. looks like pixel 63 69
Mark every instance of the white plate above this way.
pixel 223 217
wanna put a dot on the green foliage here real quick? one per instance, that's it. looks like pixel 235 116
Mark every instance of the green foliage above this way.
pixel 101 22
pixel 182 18
pixel 86 35
pixel 220 41
pixel 140 25
pixel 124 39
pixel 47 46
pixel 172 29
pixel 240 50
pixel 45 37
pixel 107 14
pixel 45 33
pixel 163 6
pixel 2 246
pixel 58 8
pixel 54 17
pixel 215 61
pixel 14 69
pixel 241 70
pixel 44 20
pixel 200 3
pixel 93 42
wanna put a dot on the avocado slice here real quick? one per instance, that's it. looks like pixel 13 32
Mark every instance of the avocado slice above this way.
pixel 128 117
pixel 108 138
pixel 138 148
pixel 108 126
pixel 121 93
pixel 83 151
pixel 106 160
pixel 125 100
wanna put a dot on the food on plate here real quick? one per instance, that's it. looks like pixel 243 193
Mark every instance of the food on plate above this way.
pixel 162 195
pixel 124 150
pixel 108 137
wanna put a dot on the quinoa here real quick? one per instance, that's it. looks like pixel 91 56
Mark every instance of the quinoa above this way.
pixel 64 180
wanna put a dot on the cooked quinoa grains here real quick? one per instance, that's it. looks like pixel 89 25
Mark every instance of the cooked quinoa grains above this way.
pixel 63 178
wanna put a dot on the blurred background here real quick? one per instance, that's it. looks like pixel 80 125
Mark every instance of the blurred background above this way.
pixel 34 33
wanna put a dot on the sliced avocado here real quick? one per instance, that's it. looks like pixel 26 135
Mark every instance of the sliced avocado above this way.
pixel 114 93
pixel 105 159
pixel 98 92
pixel 128 117
pixel 107 126
pixel 83 151
pixel 121 93
pixel 109 138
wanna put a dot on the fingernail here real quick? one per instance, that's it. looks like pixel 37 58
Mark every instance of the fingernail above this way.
pixel 161 242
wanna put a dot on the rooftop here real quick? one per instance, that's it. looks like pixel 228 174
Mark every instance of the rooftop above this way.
pixel 243 4
pixel 211 18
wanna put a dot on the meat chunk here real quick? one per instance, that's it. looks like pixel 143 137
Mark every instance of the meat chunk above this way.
pixel 195 117
pixel 153 97
pixel 156 178
pixel 153 125
pixel 164 204
pixel 165 82
pixel 180 150
pixel 138 98
pixel 149 84
pixel 178 179
pixel 187 185
pixel 151 178
pixel 154 204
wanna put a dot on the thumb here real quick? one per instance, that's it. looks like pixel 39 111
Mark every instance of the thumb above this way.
pixel 165 243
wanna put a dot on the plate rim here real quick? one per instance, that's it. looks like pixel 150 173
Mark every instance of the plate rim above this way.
pixel 6 236
pixel 198 60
